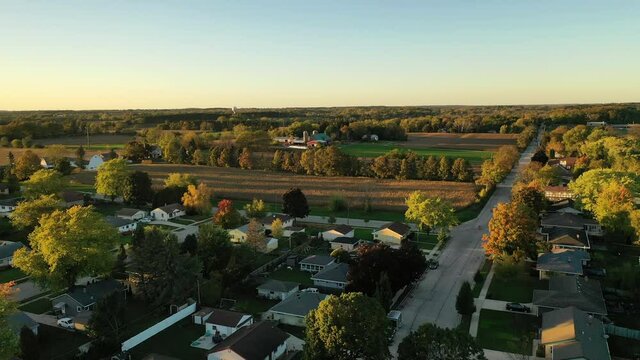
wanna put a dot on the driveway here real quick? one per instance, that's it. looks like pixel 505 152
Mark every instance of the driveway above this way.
pixel 433 300
pixel 26 290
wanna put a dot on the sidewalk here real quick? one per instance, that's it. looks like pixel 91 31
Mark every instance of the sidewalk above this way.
pixel 479 302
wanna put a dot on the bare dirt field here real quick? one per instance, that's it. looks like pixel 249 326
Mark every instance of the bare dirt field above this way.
pixel 268 185
pixel 471 141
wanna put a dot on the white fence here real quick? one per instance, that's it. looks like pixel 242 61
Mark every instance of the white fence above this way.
pixel 184 311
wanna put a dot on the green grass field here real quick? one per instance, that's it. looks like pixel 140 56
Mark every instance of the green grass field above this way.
pixel 516 288
pixel 369 150
pixel 11 274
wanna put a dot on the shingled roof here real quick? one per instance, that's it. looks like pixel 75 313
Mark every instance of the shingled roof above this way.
pixel 566 220
pixel 278 285
pixel 254 342
pixel 564 291
pixel 341 229
pixel 567 237
pixel 574 334
pixel 226 318
pixel 565 261
pixel 397 227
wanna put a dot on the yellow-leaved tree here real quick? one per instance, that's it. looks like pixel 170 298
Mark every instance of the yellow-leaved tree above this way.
pixel 198 199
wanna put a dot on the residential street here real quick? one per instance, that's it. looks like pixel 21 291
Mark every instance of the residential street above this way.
pixel 433 300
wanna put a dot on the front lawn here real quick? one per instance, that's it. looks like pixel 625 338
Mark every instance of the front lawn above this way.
pixel 294 275
pixel 11 274
pixel 40 306
pixel 515 287
pixel 505 331
pixel 484 271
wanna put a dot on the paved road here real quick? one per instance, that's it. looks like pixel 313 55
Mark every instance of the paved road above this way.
pixel 433 300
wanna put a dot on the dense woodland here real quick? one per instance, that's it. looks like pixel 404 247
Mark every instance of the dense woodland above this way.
pixel 390 123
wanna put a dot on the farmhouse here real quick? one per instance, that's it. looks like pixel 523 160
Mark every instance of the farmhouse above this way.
pixel 332 277
pixel 571 221
pixel 168 212
pixel 262 340
pixel 7 249
pixel 570 333
pixel 562 261
pixel 224 322
pixel 345 243
pixel 392 233
pixel 564 291
pixel 122 225
pixel 277 290
pixel 287 221
pixel 84 298
pixel 71 198
pixel 337 231
pixel 315 263
pixel 562 238
pixel 292 310
pixel 131 214
pixel 99 159
pixel 555 193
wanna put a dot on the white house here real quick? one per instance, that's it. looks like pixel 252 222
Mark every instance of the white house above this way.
pixel 293 309
pixel 224 322
pixel 392 233
pixel 345 243
pixel 122 225
pixel 333 277
pixel 202 315
pixel 131 214
pixel 277 290
pixel 337 231
pixel 8 206
pixel 168 212
pixel 315 263
pixel 7 249
pixel 239 234
pixel 99 159
pixel 262 340
pixel 287 221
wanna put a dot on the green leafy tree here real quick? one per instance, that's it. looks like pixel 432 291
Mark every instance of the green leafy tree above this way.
pixel 108 318
pixel 27 164
pixel 214 248
pixel 589 185
pixel 66 245
pixel 461 170
pixel 434 343
pixel 112 177
pixel 180 180
pixel 135 151
pixel 44 182
pixel 256 209
pixel 529 195
pixel 80 156
pixel 362 324
pixel 429 213
pixel 464 300
pixel 430 168
pixel 613 208
pixel 383 293
pixel 199 157
pixel 137 188
pixel 294 203
pixel 444 168
pixel 28 213
pixel 8 339
pixel 163 274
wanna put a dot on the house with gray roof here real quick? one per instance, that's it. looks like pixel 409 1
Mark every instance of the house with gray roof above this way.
pixel 566 238
pixel 168 212
pixel 570 333
pixel 337 231
pixel 562 262
pixel 84 298
pixel 131 214
pixel 262 340
pixel 7 249
pixel 565 220
pixel 565 291
pixel 292 310
pixel 333 277
pixel 277 289
pixel 7 206
pixel 19 319
pixel 122 225
pixel 315 263
pixel 392 233
pixel 345 243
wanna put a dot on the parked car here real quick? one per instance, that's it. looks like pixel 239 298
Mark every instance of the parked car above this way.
pixel 433 264
pixel 66 323
pixel 518 307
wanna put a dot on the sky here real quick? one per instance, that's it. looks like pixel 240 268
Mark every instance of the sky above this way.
pixel 125 54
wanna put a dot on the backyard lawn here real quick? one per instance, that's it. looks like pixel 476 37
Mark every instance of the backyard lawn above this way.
pixel 11 274
pixel 294 275
pixel 505 331
pixel 516 287
pixel 174 341
pixel 55 343
pixel 39 306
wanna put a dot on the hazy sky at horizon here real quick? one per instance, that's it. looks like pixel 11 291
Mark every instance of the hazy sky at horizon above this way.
pixel 274 53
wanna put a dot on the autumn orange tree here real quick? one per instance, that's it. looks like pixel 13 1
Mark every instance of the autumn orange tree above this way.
pixel 512 232
pixel 227 216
